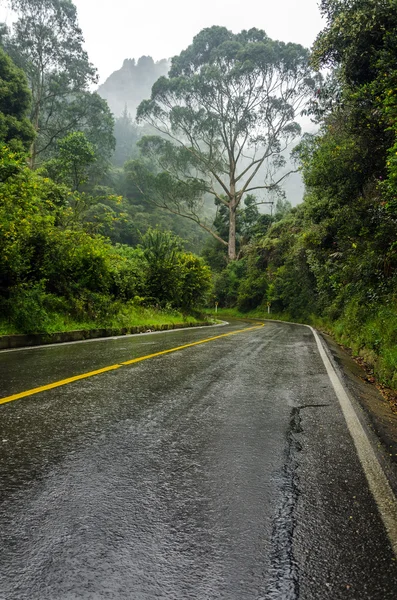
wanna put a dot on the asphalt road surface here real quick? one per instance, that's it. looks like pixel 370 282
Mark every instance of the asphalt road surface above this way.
pixel 221 470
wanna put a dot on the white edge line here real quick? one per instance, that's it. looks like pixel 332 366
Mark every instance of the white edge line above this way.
pixel 110 337
pixel 377 480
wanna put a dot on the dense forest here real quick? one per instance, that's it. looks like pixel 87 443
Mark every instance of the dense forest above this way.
pixel 74 251
pixel 177 200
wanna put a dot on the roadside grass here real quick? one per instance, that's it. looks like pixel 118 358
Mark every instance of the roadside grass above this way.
pixel 370 335
pixel 128 316
pixel 257 313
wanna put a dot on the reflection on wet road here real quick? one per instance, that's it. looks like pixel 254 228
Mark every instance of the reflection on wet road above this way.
pixel 224 470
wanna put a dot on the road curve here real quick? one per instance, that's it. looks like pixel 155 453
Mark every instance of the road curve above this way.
pixel 221 470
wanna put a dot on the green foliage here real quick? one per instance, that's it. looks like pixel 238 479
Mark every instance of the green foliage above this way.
pixel 161 249
pixel 75 155
pixel 195 281
pixel 89 113
pixel 371 332
pixel 26 307
pixel 173 277
pixel 252 291
pixel 47 44
pixel 215 255
pixel 355 34
pixel 127 272
pixel 227 283
pixel 50 264
pixel 15 101
pixel 28 209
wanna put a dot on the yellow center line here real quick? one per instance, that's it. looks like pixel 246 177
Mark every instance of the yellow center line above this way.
pixel 56 384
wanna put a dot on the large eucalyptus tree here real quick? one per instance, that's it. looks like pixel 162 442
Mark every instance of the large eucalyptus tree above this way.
pixel 224 118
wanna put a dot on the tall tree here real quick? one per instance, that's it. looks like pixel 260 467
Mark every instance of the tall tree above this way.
pixel 86 112
pixel 356 34
pixel 47 43
pixel 15 99
pixel 71 166
pixel 225 116
pixel 126 134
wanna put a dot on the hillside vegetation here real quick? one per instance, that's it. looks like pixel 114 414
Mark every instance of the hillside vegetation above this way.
pixel 333 259
pixel 70 255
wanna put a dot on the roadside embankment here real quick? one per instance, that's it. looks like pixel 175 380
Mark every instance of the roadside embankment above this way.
pixel 8 342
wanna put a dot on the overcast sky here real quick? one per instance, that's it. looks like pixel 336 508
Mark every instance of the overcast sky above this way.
pixel 119 29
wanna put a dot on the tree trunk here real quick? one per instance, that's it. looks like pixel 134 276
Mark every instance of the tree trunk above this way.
pixel 232 231
pixel 35 123
pixel 32 159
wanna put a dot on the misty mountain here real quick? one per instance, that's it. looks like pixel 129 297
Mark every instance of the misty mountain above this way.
pixel 131 84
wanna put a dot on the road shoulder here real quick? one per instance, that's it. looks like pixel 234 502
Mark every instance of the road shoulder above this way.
pixel 372 408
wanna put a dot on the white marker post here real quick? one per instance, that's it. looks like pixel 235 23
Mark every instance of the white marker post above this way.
pixel 216 307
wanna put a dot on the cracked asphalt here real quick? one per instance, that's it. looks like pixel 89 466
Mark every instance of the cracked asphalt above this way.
pixel 224 470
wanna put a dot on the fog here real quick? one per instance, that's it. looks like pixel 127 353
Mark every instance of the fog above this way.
pixel 116 30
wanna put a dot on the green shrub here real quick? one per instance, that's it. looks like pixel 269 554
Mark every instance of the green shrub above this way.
pixel 128 272
pixel 252 292
pixel 26 308
pixel 371 331
pixel 161 250
pixel 227 283
pixel 195 281
pixel 51 266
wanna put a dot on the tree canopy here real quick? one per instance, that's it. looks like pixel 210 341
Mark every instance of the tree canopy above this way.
pixel 225 116
pixel 356 33
pixel 15 101
pixel 47 43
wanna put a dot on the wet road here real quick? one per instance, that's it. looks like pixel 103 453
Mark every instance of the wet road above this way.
pixel 224 470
